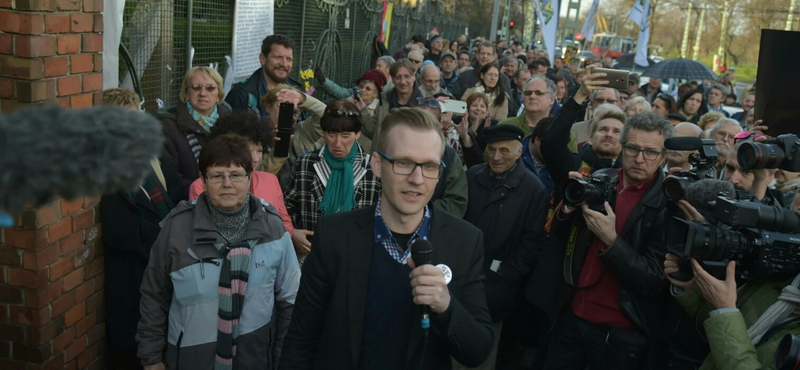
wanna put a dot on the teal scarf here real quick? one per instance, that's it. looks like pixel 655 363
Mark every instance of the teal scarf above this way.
pixel 340 192
pixel 206 121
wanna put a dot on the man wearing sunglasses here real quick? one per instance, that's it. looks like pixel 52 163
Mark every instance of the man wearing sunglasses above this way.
pixel 609 319
pixel 538 96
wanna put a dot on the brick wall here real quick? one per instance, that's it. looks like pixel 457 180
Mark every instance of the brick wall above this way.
pixel 51 262
pixel 50 51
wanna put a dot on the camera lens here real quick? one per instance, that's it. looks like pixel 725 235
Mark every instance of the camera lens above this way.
pixel 755 155
pixel 574 192
pixel 675 188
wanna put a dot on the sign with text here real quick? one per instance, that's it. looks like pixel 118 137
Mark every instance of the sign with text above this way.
pixel 253 21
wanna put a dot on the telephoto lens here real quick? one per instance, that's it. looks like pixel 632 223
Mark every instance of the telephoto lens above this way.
pixel 757 155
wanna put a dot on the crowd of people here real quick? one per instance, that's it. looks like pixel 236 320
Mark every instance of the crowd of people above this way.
pixel 307 258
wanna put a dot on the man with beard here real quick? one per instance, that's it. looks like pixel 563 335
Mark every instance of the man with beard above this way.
pixel 404 93
pixel 723 132
pixel 276 64
pixel 486 54
pixel 430 80
pixel 680 158
pixel 600 98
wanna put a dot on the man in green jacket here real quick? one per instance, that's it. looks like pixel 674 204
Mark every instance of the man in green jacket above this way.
pixel 738 338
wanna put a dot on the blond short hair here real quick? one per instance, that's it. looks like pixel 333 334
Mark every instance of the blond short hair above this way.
pixel 416 119
pixel 616 114
pixel 118 97
pixel 187 82
pixel 709 119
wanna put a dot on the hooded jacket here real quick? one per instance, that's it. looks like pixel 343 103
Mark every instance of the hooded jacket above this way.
pixel 179 303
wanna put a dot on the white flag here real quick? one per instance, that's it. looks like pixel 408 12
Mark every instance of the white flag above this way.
pixel 591 20
pixel 547 13
pixel 640 14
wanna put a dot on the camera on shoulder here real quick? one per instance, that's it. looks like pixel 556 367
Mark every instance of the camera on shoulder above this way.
pixel 703 165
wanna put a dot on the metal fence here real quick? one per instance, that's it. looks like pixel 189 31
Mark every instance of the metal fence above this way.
pixel 335 35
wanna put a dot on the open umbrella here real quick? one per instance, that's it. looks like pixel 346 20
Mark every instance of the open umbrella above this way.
pixel 686 69
pixel 626 60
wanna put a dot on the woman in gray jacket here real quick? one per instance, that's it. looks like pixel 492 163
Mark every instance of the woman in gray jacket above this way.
pixel 219 270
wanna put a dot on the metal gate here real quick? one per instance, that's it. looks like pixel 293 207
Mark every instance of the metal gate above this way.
pixel 334 35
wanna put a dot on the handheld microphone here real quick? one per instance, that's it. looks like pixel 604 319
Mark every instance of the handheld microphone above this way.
pixel 421 252
pixel 48 151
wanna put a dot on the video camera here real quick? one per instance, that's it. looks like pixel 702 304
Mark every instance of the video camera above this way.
pixel 782 152
pixel 593 190
pixel 703 165
pixel 762 238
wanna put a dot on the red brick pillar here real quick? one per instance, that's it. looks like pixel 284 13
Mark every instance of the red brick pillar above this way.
pixel 51 262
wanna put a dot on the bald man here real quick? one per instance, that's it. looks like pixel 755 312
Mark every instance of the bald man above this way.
pixel 680 158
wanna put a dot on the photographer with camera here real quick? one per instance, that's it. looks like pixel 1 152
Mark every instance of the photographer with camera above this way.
pixel 743 325
pixel 611 236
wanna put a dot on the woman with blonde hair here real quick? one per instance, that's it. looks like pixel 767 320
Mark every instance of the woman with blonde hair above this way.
pixel 187 125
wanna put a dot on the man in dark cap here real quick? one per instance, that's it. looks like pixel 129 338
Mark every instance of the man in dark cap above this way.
pixel 509 204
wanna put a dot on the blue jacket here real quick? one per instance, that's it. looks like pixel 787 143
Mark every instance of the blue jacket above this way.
pixel 543 174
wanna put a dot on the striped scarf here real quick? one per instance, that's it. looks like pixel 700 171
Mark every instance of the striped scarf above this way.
pixel 232 278
pixel 232 287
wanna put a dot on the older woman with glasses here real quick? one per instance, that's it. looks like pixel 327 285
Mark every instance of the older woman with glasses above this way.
pixel 335 178
pixel 490 83
pixel 188 124
pixel 224 260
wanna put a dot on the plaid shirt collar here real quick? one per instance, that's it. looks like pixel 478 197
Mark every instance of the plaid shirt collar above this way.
pixel 385 237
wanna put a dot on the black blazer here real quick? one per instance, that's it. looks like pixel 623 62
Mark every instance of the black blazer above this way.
pixel 328 319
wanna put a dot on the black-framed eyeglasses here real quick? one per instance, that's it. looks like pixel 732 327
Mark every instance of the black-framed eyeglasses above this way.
pixel 234 177
pixel 433 103
pixel 415 61
pixel 405 167
pixel 335 113
pixel 648 154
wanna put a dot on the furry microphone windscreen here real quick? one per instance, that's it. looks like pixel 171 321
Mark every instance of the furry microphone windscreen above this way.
pixel 48 151
pixel 707 190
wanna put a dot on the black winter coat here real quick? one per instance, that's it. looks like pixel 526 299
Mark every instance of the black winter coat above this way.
pixel 636 257
pixel 178 122
pixel 511 213
pixel 129 231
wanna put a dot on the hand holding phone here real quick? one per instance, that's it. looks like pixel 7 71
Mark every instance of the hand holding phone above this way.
pixel 285 128
pixel 617 78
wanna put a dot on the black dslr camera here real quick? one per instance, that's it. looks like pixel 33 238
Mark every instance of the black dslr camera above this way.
pixel 762 238
pixel 593 190
pixel 782 152
pixel 703 165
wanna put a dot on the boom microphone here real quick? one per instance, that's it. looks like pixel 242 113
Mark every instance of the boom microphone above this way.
pixel 685 143
pixel 48 151
pixel 421 253
pixel 704 191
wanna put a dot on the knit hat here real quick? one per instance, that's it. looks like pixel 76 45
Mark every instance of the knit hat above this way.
pixel 375 76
